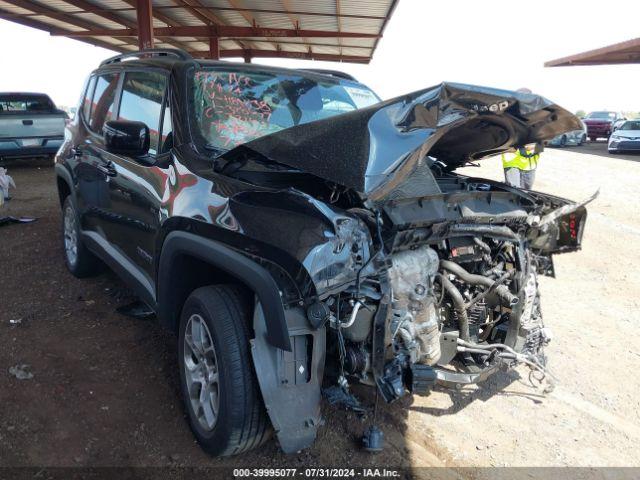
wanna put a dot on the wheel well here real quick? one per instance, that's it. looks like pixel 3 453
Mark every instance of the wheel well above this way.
pixel 189 273
pixel 63 190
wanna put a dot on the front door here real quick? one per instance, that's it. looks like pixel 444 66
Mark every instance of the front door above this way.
pixel 137 184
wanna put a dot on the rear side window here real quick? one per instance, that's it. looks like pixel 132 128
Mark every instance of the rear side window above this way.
pixel 142 94
pixel 86 105
pixel 25 103
pixel 103 104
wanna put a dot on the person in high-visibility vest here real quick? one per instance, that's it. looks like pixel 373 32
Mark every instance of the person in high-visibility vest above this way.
pixel 520 166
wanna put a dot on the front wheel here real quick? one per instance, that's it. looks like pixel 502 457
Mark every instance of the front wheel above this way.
pixel 218 383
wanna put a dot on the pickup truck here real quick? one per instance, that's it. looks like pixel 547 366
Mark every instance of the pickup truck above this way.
pixel 30 125
pixel 600 124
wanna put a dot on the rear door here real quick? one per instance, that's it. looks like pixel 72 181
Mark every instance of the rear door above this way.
pixel 91 166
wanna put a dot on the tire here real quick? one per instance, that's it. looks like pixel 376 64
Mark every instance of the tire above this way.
pixel 563 141
pixel 583 139
pixel 593 139
pixel 219 316
pixel 78 259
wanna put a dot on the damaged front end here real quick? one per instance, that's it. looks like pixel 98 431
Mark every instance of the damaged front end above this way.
pixel 425 277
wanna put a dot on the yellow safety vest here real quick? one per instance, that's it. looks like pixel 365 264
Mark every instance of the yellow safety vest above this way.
pixel 519 161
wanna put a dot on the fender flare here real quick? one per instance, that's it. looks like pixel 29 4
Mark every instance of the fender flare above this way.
pixel 235 264
pixel 64 174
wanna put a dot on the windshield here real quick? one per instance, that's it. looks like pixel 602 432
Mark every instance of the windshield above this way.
pixel 602 115
pixel 233 108
pixel 635 125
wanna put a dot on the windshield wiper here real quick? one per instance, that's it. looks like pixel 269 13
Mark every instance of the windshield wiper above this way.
pixel 217 151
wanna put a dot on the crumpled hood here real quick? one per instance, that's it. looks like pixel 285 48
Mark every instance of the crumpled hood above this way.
pixel 377 148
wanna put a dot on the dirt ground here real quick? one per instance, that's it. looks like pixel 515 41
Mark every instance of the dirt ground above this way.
pixel 105 389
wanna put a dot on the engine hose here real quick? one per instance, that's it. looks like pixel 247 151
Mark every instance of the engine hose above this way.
pixel 510 353
pixel 473 279
pixel 458 305
pixel 465 276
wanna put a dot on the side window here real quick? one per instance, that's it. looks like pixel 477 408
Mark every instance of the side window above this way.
pixel 103 107
pixel 86 106
pixel 142 94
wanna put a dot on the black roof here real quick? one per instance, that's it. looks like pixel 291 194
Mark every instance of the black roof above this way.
pixel 166 58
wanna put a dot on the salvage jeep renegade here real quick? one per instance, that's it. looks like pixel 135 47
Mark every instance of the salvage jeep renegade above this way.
pixel 299 235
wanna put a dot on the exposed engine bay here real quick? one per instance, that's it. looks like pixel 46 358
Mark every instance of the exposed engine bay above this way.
pixel 448 302
pixel 408 275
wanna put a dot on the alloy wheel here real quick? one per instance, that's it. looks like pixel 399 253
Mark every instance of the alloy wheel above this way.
pixel 201 372
pixel 70 236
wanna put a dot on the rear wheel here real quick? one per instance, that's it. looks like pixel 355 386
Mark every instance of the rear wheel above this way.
pixel 563 141
pixel 583 139
pixel 218 383
pixel 593 139
pixel 79 260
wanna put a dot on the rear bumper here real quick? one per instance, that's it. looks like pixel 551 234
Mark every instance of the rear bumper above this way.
pixel 15 148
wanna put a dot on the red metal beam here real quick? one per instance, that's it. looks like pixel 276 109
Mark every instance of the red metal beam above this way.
pixel 313 43
pixel 250 19
pixel 619 53
pixel 392 9
pixel 158 8
pixel 144 14
pixel 252 53
pixel 156 14
pixel 222 31
pixel 214 48
pixel 114 17
pixel 60 16
pixel 204 14
pixel 29 22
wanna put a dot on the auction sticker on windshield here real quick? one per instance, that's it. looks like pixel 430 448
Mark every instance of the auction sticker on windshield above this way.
pixel 361 97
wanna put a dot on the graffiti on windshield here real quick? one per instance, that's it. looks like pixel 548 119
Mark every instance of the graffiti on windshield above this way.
pixel 234 108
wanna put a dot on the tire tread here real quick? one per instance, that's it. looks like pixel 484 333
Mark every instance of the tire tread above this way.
pixel 229 305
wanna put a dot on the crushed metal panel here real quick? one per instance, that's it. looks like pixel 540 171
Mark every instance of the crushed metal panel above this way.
pixel 290 381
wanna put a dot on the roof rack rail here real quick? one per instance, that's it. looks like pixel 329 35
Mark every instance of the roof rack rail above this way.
pixel 332 73
pixel 151 52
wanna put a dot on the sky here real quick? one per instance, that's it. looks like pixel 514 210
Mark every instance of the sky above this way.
pixel 494 43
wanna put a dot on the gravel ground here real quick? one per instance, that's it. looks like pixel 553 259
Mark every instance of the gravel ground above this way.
pixel 105 390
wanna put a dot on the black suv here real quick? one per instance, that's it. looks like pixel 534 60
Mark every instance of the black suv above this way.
pixel 300 235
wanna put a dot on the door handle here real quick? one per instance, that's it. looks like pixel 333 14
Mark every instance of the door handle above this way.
pixel 108 169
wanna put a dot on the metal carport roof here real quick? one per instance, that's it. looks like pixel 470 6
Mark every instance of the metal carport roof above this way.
pixel 619 53
pixel 331 30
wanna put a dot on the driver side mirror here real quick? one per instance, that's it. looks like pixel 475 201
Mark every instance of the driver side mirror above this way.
pixel 126 137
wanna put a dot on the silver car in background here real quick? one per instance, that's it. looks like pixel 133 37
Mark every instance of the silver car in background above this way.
pixel 576 137
pixel 625 138
pixel 30 125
